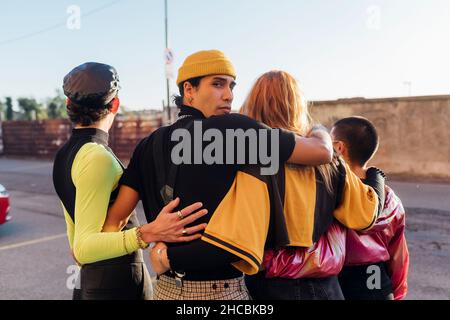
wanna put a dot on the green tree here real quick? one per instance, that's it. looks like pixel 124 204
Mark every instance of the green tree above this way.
pixel 2 109
pixel 56 106
pixel 52 110
pixel 30 107
pixel 9 109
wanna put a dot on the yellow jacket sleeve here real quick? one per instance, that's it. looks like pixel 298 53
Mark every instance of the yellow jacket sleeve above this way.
pixel 240 223
pixel 359 207
pixel 95 173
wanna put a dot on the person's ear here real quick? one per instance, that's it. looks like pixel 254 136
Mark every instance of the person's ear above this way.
pixel 188 90
pixel 343 150
pixel 339 147
pixel 115 105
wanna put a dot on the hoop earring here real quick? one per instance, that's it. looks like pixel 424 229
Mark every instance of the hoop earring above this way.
pixel 190 100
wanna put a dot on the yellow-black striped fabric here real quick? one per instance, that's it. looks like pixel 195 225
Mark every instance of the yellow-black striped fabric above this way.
pixel 292 208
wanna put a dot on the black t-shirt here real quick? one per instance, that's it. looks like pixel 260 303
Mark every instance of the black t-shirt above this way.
pixel 207 183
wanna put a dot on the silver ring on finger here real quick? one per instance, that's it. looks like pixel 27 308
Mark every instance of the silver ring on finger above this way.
pixel 180 215
pixel 184 232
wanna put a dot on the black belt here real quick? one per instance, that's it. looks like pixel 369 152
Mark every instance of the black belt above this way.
pixel 216 274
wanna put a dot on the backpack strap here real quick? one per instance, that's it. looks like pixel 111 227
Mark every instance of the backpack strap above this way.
pixel 166 181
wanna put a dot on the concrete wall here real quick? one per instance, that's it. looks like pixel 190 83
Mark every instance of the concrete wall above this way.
pixel 414 131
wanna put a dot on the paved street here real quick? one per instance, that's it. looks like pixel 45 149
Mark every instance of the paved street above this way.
pixel 34 256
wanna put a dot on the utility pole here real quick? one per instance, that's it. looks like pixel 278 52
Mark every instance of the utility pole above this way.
pixel 167 51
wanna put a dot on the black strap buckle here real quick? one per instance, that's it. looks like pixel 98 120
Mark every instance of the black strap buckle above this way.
pixel 179 278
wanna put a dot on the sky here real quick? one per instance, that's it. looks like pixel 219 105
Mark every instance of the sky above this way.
pixel 334 48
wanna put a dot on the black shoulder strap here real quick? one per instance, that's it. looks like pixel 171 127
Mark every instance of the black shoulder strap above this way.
pixel 158 156
pixel 340 183
pixel 167 182
pixel 278 235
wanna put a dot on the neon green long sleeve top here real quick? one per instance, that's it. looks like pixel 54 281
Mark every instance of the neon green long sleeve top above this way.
pixel 95 174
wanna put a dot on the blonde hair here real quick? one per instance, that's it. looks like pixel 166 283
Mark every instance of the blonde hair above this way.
pixel 276 101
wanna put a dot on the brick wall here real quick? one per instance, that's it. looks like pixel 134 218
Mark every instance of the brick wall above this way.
pixel 43 138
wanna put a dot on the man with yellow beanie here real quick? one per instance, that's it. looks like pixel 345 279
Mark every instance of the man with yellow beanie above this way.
pixel 218 72
pixel 209 268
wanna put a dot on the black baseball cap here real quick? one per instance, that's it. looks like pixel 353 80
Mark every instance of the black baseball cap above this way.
pixel 92 82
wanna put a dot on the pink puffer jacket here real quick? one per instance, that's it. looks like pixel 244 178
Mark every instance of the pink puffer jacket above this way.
pixel 385 241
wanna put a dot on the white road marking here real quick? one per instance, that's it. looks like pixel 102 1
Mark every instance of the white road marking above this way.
pixel 21 169
pixel 31 242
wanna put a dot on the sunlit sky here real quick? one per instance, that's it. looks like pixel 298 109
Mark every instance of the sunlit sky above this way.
pixel 335 49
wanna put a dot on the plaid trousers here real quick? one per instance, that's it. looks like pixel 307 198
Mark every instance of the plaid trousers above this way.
pixel 232 289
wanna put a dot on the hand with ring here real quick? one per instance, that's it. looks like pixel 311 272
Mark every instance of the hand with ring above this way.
pixel 170 227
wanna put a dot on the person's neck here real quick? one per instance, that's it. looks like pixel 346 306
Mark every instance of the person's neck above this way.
pixel 187 104
pixel 360 171
pixel 196 108
pixel 102 125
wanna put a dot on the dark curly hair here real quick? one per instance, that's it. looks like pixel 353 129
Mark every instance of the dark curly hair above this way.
pixel 88 112
pixel 178 99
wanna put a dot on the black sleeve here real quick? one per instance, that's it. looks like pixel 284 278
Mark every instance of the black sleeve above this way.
pixel 341 174
pixel 287 144
pixel 375 178
pixel 285 141
pixel 187 257
pixel 131 176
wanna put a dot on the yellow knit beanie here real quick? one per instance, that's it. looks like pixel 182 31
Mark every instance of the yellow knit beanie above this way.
pixel 205 63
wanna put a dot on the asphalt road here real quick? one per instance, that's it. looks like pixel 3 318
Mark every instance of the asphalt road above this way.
pixel 35 261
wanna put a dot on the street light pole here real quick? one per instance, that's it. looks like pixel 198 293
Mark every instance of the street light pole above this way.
pixel 167 77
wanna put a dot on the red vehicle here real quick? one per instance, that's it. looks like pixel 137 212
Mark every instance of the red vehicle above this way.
pixel 4 205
